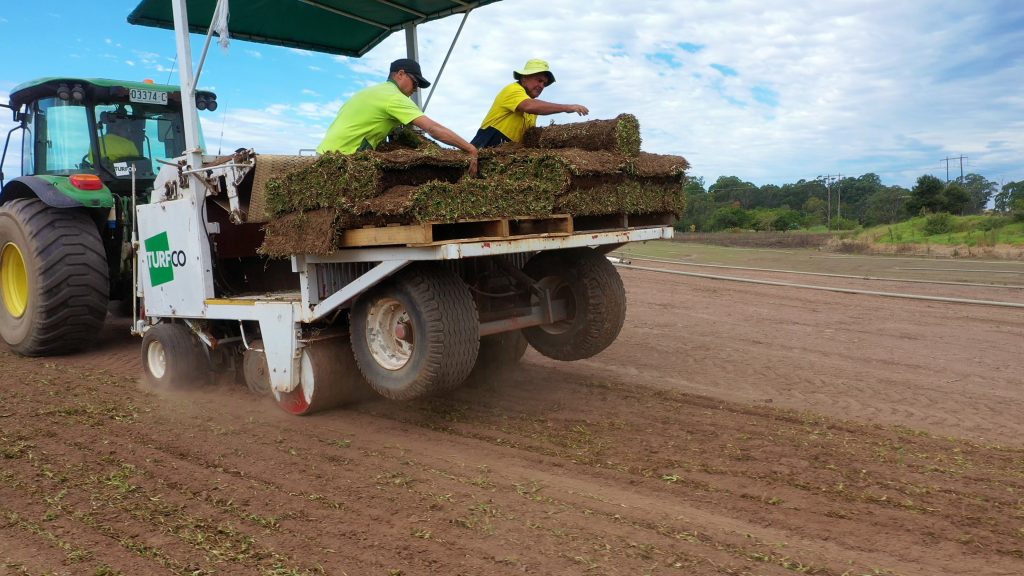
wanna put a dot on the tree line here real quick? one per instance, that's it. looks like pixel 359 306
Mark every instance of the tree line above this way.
pixel 839 204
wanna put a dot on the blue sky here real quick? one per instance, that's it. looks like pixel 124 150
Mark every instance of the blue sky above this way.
pixel 771 91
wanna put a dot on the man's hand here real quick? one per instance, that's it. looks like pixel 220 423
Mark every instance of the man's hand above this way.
pixel 579 109
pixel 448 137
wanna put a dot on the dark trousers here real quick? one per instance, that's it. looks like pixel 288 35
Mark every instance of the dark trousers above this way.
pixel 487 137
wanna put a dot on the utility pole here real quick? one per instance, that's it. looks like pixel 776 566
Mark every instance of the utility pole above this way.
pixel 839 196
pixel 829 179
pixel 961 158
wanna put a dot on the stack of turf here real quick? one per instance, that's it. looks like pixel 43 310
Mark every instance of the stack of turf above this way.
pixel 621 134
pixel 583 169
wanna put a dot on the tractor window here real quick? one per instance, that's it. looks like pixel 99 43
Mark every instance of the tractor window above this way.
pixel 143 134
pixel 61 136
pixel 28 159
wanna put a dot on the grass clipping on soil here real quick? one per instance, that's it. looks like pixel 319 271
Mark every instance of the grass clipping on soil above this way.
pixel 603 173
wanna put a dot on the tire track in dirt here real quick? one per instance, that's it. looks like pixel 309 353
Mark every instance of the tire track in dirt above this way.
pixel 525 437
pixel 608 466
pixel 853 356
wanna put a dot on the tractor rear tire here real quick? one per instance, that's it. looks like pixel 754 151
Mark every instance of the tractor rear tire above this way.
pixel 328 377
pixel 416 334
pixel 54 282
pixel 172 358
pixel 595 300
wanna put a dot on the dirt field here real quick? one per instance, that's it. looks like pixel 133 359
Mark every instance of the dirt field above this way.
pixel 732 429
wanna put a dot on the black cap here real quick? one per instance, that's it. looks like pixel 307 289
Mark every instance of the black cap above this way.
pixel 411 67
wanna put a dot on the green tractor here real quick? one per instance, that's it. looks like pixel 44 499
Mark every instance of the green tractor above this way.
pixel 88 152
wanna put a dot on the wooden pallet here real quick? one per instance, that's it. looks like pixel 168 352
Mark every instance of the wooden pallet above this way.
pixel 619 221
pixel 427 233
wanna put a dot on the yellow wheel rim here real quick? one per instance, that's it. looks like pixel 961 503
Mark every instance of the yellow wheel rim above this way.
pixel 13 280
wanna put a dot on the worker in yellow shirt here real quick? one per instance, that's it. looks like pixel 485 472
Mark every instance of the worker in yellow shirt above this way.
pixel 372 113
pixel 116 144
pixel 516 107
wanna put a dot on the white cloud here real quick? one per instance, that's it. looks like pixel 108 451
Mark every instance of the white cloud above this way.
pixel 271 130
pixel 254 53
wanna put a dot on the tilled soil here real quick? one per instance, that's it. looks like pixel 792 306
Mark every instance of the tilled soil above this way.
pixel 731 429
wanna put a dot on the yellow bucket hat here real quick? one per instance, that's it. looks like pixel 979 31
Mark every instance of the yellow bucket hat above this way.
pixel 535 66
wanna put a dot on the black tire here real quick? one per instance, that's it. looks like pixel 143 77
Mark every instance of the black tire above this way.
pixel 436 310
pixel 255 371
pixel 121 308
pixel 54 282
pixel 595 299
pixel 172 358
pixel 505 349
pixel 499 354
pixel 328 378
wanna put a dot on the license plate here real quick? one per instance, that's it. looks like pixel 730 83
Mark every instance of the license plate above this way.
pixel 143 96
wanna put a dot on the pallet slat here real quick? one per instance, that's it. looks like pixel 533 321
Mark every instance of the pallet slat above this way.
pixel 427 233
pixel 411 234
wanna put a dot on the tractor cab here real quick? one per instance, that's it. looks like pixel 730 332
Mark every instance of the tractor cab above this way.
pixel 90 151
pixel 102 127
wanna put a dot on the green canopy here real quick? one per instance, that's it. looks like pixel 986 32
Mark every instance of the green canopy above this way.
pixel 346 27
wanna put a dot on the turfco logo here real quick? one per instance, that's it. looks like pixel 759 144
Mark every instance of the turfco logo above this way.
pixel 162 260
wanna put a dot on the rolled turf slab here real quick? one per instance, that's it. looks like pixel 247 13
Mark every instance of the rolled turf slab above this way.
pixel 338 180
pixel 620 134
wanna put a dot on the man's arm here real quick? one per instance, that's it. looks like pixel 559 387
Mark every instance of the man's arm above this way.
pixel 542 108
pixel 448 137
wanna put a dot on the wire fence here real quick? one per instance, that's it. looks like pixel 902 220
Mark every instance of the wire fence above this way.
pixel 761 239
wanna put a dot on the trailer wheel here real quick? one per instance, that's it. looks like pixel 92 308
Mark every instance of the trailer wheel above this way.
pixel 503 349
pixel 328 377
pixel 254 369
pixel 172 357
pixel 416 334
pixel 594 296
pixel 498 353
pixel 54 282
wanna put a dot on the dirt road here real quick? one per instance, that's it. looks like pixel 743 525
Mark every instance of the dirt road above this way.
pixel 732 429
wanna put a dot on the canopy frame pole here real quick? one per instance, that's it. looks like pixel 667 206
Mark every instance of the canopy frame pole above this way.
pixel 405 9
pixel 206 48
pixel 188 101
pixel 437 78
pixel 323 6
pixel 413 52
pixel 194 190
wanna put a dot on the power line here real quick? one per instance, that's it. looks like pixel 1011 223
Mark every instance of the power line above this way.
pixel 947 159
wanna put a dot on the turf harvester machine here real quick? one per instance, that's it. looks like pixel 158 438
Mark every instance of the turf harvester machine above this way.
pixel 387 313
